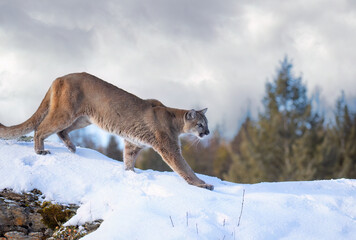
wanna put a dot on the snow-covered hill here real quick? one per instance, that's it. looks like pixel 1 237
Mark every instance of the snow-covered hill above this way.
pixel 161 205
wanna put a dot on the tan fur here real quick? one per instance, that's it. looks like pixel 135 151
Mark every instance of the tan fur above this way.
pixel 76 100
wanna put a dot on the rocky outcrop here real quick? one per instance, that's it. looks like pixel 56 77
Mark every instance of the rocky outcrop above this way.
pixel 25 217
pixel 19 216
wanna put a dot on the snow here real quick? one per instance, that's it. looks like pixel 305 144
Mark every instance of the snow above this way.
pixel 161 205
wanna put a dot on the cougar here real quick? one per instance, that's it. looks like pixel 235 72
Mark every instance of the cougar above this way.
pixel 79 99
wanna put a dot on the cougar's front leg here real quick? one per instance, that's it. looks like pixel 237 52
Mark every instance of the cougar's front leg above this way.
pixel 130 155
pixel 171 154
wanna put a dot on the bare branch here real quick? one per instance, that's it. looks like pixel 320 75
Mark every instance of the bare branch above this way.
pixel 242 207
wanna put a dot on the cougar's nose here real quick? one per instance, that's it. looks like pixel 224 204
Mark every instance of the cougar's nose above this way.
pixel 207 132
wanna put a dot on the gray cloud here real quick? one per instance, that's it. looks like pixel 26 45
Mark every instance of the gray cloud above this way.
pixel 186 53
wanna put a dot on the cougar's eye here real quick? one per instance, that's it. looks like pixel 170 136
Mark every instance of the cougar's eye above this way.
pixel 200 125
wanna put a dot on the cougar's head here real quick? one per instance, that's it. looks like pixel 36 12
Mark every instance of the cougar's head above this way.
pixel 196 123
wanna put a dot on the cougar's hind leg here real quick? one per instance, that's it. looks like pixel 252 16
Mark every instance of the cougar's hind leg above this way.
pixel 130 155
pixel 81 122
pixel 51 124
pixel 63 135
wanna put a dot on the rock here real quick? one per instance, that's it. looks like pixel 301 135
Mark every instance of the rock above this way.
pixel 92 226
pixel 19 212
pixel 22 217
pixel 35 235
pixel 35 222
pixel 16 235
pixel 10 195
pixel 48 232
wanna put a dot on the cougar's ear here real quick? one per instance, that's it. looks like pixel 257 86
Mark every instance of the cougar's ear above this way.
pixel 203 111
pixel 191 115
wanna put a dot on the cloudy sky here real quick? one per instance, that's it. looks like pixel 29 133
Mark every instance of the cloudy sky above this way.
pixel 187 53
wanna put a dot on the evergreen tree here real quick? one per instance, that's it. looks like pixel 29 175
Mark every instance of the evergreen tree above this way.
pixel 200 155
pixel 278 146
pixel 289 129
pixel 113 150
pixel 245 167
pixel 283 122
pixel 222 161
pixel 149 159
pixel 338 154
pixel 307 150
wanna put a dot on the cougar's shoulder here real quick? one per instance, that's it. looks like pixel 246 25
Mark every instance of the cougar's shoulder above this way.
pixel 155 103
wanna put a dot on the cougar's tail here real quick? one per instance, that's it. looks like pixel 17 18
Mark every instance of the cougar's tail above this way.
pixel 29 125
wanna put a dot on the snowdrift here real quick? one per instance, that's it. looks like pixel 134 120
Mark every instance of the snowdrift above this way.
pixel 161 205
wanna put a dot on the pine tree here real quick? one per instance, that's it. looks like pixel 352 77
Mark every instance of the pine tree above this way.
pixel 222 161
pixel 276 146
pixel 307 150
pixel 338 157
pixel 200 154
pixel 245 167
pixel 284 121
pixel 149 159
pixel 113 150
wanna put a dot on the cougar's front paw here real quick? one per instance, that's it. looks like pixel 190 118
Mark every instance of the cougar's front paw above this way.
pixel 43 152
pixel 207 186
pixel 129 169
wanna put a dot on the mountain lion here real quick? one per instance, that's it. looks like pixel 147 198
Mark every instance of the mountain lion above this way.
pixel 76 100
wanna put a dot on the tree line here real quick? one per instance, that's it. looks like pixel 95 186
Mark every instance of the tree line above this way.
pixel 288 141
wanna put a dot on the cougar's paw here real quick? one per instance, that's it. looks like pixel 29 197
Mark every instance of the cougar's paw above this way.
pixel 43 152
pixel 207 186
pixel 72 148
pixel 129 169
